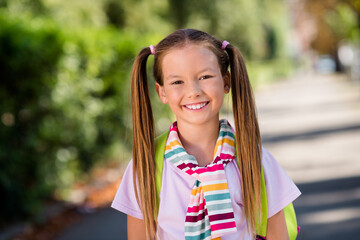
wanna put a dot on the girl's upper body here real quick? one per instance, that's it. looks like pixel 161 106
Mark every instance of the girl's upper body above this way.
pixel 206 191
pixel 175 195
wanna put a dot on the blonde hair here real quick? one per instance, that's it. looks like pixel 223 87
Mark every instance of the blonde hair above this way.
pixel 247 131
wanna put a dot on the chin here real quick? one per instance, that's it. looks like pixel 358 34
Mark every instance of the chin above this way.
pixel 199 120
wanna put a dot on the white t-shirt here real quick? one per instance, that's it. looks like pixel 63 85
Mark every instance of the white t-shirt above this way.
pixel 175 196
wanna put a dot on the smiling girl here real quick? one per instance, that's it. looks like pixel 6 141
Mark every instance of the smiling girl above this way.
pixel 211 187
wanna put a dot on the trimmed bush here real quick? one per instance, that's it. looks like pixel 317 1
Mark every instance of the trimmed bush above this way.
pixel 64 101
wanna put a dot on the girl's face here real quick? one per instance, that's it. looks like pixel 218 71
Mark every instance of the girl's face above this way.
pixel 192 84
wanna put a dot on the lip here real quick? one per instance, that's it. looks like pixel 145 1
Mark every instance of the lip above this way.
pixel 204 103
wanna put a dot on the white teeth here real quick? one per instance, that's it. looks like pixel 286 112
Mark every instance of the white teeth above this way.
pixel 195 106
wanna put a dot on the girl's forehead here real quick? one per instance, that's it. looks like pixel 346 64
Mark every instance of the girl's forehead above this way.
pixel 190 49
pixel 189 56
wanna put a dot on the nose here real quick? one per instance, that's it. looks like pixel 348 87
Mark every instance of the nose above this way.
pixel 193 89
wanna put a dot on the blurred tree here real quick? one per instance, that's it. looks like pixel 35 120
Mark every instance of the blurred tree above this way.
pixel 3 3
pixel 257 27
pixel 147 17
pixel 25 6
pixel 63 106
pixel 28 69
pixel 36 6
pixel 182 12
pixel 179 11
pixel 355 6
pixel 115 13
pixel 343 22
pixel 335 20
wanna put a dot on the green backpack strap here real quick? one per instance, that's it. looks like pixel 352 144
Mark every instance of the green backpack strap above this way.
pixel 291 223
pixel 289 212
pixel 160 143
pixel 262 225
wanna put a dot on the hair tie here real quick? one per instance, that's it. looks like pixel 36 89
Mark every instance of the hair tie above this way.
pixel 224 44
pixel 152 49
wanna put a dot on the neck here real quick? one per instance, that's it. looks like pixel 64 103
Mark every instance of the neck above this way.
pixel 199 140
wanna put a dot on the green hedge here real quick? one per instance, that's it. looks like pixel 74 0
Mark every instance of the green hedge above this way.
pixel 29 54
pixel 64 105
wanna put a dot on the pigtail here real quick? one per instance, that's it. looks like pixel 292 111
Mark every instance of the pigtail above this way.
pixel 247 135
pixel 143 143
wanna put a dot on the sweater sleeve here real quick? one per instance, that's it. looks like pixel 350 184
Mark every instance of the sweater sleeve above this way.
pixel 125 199
pixel 280 189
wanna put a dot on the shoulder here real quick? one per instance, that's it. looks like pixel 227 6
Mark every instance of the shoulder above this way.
pixel 270 164
pixel 272 169
pixel 280 189
pixel 267 158
pixel 125 199
pixel 127 181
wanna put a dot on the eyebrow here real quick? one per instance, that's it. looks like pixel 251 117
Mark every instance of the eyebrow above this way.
pixel 201 71
pixel 172 76
pixel 207 69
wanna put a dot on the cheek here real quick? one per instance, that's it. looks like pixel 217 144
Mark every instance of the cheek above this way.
pixel 173 96
pixel 216 90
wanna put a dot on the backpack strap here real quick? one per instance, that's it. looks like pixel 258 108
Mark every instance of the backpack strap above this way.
pixel 262 225
pixel 291 223
pixel 160 143
pixel 289 212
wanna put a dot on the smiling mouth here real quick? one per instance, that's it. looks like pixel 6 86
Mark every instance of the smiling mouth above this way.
pixel 197 106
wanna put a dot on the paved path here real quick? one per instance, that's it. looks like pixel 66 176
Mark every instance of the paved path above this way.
pixel 311 124
pixel 105 224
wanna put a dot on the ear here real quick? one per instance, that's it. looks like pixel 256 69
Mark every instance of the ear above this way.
pixel 227 78
pixel 161 92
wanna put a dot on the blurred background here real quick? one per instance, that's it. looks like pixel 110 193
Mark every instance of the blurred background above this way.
pixel 65 117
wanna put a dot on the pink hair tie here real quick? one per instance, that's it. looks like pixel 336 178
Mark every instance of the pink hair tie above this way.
pixel 224 44
pixel 152 49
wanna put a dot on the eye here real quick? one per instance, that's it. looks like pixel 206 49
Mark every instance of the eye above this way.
pixel 205 77
pixel 177 82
